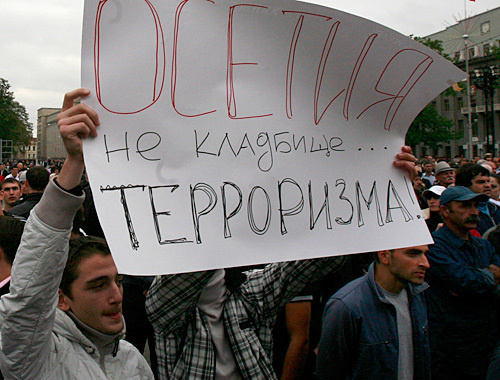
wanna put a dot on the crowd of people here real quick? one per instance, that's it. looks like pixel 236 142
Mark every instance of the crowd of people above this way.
pixel 423 312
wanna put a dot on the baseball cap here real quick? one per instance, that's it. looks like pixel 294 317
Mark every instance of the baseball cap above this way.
pixel 461 193
pixel 437 190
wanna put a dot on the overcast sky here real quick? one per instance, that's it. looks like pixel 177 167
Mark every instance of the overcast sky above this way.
pixel 40 39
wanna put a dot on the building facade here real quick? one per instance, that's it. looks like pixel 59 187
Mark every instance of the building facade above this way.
pixel 472 42
pixel 28 152
pixel 50 145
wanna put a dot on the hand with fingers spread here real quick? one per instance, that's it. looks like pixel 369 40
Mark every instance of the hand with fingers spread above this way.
pixel 406 160
pixel 76 122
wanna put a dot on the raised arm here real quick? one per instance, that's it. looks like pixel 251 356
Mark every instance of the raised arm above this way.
pixel 298 318
pixel 28 312
pixel 170 299
pixel 271 288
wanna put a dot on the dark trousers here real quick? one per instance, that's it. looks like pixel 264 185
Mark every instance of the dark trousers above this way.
pixel 138 328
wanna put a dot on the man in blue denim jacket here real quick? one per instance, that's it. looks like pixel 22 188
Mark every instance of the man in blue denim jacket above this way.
pixel 464 272
pixel 375 327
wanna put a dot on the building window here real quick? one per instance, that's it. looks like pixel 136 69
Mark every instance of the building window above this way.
pixel 447 150
pixel 447 104
pixel 460 103
pixel 471 53
pixel 486 49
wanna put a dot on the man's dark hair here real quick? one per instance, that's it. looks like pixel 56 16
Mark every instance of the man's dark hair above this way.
pixel 81 248
pixel 38 178
pixel 376 258
pixel 497 176
pixel 11 230
pixel 466 173
pixel 427 163
pixel 494 237
pixel 10 180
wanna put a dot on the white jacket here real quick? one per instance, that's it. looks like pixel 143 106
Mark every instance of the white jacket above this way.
pixel 39 341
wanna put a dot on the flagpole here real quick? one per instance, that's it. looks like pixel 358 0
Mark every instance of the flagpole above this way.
pixel 469 109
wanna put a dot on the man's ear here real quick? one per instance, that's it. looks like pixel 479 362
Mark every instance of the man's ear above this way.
pixel 445 212
pixel 384 256
pixel 63 302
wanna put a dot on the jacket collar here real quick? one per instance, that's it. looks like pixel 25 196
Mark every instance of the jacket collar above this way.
pixel 65 326
pixel 453 238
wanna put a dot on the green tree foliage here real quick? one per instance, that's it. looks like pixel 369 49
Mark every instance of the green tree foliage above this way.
pixel 14 122
pixel 436 45
pixel 432 129
pixel 429 127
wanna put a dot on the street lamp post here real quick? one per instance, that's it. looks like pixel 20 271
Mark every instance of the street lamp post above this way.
pixel 484 78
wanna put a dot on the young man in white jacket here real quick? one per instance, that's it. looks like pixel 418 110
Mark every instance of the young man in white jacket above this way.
pixel 76 331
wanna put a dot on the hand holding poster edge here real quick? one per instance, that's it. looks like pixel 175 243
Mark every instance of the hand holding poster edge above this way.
pixel 116 227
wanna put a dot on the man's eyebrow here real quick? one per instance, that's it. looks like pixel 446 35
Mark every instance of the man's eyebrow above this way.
pixel 418 251
pixel 97 280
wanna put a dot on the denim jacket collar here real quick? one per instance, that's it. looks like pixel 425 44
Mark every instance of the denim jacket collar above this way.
pixel 413 290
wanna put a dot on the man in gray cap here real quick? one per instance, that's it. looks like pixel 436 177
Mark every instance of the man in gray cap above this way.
pixel 445 175
pixel 464 272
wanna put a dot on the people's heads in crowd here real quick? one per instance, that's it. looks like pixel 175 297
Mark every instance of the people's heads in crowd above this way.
pixel 11 192
pixel 11 230
pixel 22 181
pixel 91 286
pixel 14 171
pixel 474 176
pixel 432 197
pixel 444 174
pixel 37 179
pixel 487 167
pixel 491 165
pixel 404 265
pixel 418 185
pixel 459 208
pixel 495 186
pixel 428 167
pixel 54 171
pixel 20 166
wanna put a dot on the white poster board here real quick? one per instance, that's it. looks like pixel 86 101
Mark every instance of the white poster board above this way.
pixel 236 133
